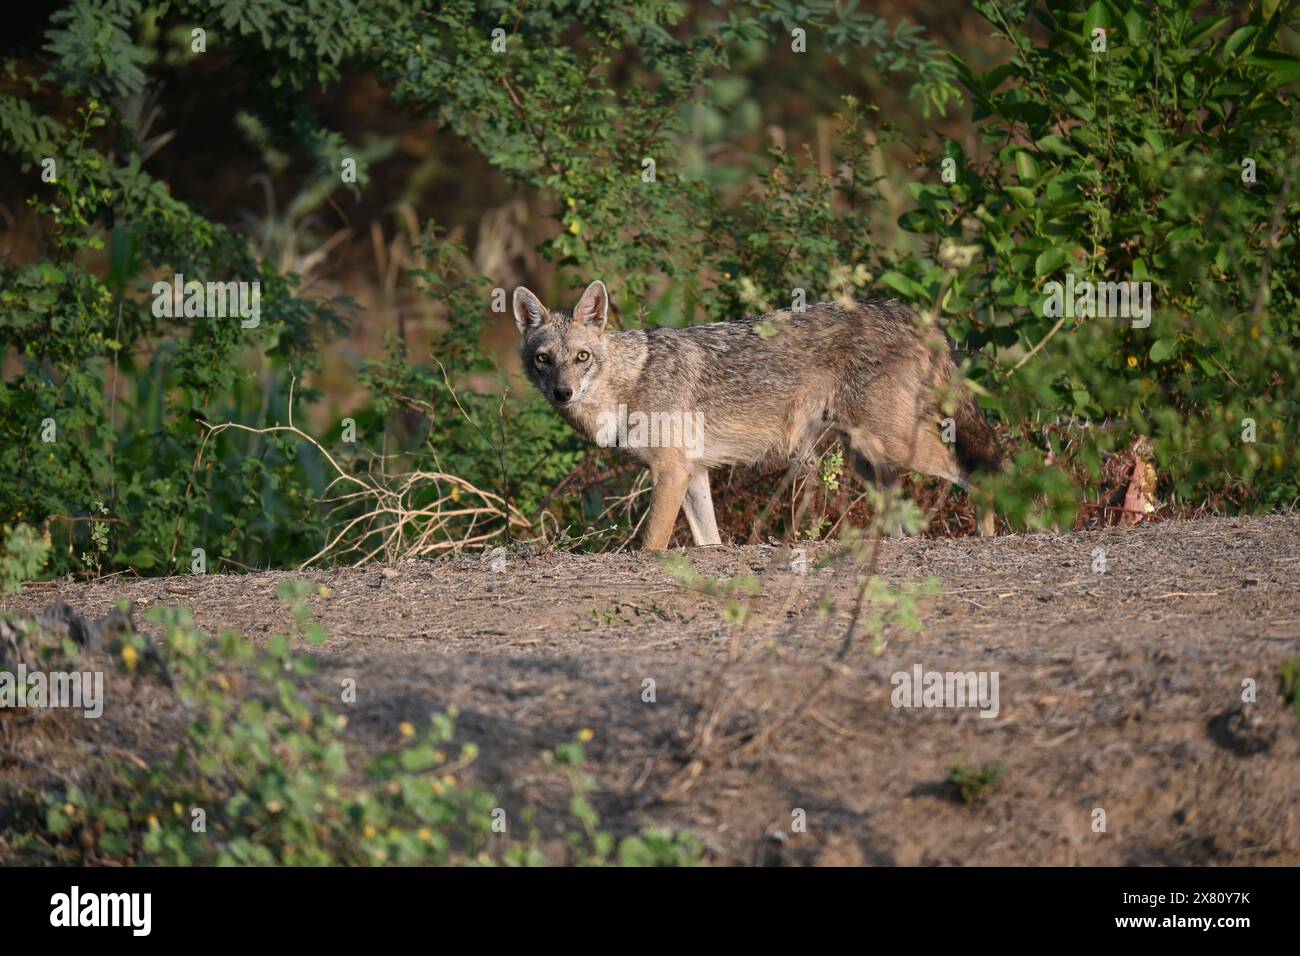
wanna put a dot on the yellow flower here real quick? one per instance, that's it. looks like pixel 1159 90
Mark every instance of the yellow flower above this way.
pixel 407 730
pixel 575 227
pixel 177 808
pixel 369 832
pixel 153 822
pixel 586 735
pixel 324 592
pixel 425 835
pixel 1132 361
pixel 130 657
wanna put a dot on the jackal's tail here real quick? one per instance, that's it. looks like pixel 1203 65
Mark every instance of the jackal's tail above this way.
pixel 977 444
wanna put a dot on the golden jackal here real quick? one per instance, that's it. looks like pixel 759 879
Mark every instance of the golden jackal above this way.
pixel 687 400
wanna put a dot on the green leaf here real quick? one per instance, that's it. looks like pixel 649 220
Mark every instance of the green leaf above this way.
pixel 1097 16
pixel 901 284
pixel 1238 40
pixel 1049 261
pixel 1204 29
pixel 1161 349
pixel 1284 67
pixel 141 560
pixel 1023 197
pixel 1057 146
pixel 1027 167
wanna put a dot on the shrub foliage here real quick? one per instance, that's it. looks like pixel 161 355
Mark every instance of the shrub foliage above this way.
pixel 1120 160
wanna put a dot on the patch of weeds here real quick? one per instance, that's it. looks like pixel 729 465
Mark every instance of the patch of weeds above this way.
pixel 974 785
pixel 295 594
pixel 592 846
pixel 264 775
pixel 679 567
pixel 609 616
pixel 831 469
pixel 592 539
pixel 93 560
pixel 817 529
pixel 664 613
pixel 1288 685
pixel 22 555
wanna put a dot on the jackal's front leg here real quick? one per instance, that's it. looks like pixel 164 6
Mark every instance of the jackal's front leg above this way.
pixel 670 480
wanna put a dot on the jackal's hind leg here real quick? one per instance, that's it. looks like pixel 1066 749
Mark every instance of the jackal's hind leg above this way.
pixel 699 508
pixel 985 518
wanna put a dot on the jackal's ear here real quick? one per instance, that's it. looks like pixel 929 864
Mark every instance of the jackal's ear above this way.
pixel 529 311
pixel 593 307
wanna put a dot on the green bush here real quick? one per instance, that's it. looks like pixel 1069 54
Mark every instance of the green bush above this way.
pixel 1127 164
pixel 22 556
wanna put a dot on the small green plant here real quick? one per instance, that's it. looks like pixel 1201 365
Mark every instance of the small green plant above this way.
pixel 886 605
pixel 817 529
pixel 974 785
pixel 1288 685
pixel 595 847
pixel 831 468
pixel 879 605
pixel 295 594
pixel 732 590
pixel 93 559
pixel 609 616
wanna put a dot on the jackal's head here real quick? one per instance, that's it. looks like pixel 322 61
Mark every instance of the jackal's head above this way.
pixel 563 352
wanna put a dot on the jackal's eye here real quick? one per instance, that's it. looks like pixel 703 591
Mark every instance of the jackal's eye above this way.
pixel 584 356
pixel 541 358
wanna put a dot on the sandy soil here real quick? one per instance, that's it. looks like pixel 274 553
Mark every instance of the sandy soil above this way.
pixel 1119 691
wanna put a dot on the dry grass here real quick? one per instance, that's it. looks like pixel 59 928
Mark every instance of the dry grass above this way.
pixel 377 517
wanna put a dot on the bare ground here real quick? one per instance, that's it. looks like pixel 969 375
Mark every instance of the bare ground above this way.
pixel 1120 691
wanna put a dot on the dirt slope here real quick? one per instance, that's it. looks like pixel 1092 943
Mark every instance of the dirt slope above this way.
pixel 1119 690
